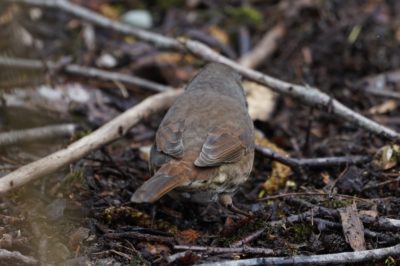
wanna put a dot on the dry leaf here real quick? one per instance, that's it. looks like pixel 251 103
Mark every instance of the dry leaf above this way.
pixel 187 236
pixel 109 11
pixel 383 108
pixel 280 172
pixel 261 100
pixel 387 157
pixel 353 228
pixel 326 178
pixel 171 58
pixel 219 34
pixel 156 249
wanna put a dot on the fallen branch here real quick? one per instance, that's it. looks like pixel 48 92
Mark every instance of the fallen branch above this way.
pixel 36 134
pixel 99 20
pixel 109 132
pixel 83 71
pixel 336 258
pixel 15 255
pixel 307 95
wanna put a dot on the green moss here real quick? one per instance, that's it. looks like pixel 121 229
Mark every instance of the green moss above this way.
pixel 300 232
pixel 337 203
pixel 245 14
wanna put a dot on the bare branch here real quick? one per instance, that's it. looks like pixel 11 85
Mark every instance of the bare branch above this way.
pixel 337 258
pixel 83 71
pixel 109 132
pixel 36 134
pixel 307 95
pixel 99 20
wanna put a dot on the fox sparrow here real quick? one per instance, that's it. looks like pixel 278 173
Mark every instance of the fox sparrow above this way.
pixel 204 147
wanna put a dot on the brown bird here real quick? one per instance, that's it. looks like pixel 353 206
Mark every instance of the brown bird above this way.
pixel 204 147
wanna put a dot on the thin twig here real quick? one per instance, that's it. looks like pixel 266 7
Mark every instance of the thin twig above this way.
pixel 140 236
pixel 248 238
pixel 119 253
pixel 83 71
pixel 382 183
pixel 313 194
pixel 308 95
pixel 313 162
pixel 109 132
pixel 267 45
pixel 336 258
pixel 293 194
pixel 219 250
pixel 36 134
pixel 384 93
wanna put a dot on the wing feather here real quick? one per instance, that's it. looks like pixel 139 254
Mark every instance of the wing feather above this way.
pixel 169 138
pixel 223 145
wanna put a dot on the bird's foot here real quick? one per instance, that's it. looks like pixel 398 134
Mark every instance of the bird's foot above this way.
pixel 226 201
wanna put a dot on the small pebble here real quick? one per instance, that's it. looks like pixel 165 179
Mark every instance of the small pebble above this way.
pixel 138 18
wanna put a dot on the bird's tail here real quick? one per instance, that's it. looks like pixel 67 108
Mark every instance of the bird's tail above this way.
pixel 171 175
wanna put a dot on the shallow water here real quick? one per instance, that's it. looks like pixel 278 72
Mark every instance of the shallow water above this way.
pixel 42 215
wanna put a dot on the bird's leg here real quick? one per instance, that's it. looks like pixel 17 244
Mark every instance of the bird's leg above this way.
pixel 153 212
pixel 226 201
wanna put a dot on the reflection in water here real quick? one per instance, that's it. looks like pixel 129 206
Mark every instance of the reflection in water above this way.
pixel 44 214
pixel 16 41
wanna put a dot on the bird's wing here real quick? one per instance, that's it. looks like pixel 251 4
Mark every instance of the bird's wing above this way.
pixel 224 144
pixel 169 138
